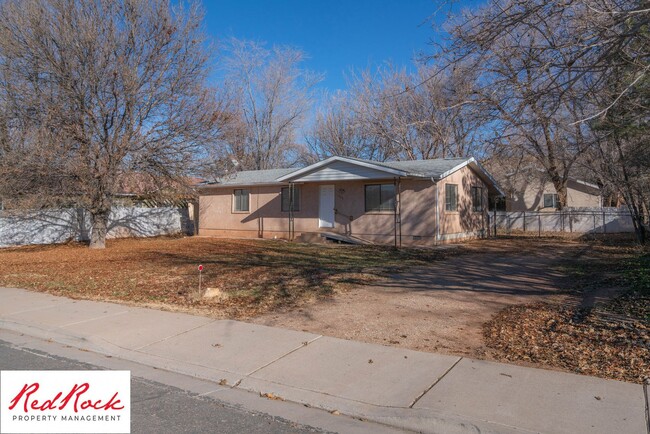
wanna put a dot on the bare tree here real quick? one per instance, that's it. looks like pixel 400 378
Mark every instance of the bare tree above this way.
pixel 339 130
pixel 621 156
pixel 272 96
pixel 450 114
pixel 533 91
pixel 384 105
pixel 392 114
pixel 94 90
pixel 588 38
pixel 563 79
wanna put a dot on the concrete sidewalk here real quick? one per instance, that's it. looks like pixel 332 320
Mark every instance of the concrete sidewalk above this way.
pixel 401 388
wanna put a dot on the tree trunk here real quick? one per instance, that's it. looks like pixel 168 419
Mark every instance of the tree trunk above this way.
pixel 642 234
pixel 99 228
pixel 561 197
pixel 639 222
pixel 560 188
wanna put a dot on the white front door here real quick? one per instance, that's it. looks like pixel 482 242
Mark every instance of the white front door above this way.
pixel 326 208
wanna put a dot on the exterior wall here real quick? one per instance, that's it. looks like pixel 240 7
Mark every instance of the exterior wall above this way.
pixel 530 196
pixel 465 222
pixel 581 196
pixel 417 210
pixel 265 219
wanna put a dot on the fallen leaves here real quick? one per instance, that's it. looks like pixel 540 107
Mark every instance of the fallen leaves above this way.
pixel 577 340
pixel 242 278
pixel 271 396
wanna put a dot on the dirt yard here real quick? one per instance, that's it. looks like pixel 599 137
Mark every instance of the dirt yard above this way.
pixel 538 302
pixel 441 307
pixel 550 302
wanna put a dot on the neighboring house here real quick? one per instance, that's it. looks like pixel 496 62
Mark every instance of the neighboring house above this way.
pixel 531 190
pixel 422 202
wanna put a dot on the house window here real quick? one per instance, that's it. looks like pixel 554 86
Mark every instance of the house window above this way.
pixel 451 197
pixel 550 200
pixel 241 200
pixel 380 197
pixel 285 195
pixel 477 199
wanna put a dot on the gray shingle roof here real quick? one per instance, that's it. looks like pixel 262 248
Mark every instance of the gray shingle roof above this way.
pixel 248 177
pixel 425 168
pixel 419 168
pixel 429 168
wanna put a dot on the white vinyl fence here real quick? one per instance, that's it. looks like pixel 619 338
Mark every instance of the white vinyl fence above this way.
pixel 578 220
pixel 63 225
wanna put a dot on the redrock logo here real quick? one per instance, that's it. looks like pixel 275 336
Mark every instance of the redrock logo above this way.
pixel 65 402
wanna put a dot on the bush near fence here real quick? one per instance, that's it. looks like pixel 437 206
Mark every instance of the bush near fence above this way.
pixel 51 226
pixel 570 220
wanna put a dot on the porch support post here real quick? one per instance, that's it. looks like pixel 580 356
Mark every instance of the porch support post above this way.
pixel 435 184
pixel 395 212
pixel 399 203
pixel 291 225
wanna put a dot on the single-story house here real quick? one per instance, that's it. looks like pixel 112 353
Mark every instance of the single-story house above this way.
pixel 532 190
pixel 423 202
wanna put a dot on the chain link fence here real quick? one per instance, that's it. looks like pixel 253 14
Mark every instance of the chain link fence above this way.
pixel 570 220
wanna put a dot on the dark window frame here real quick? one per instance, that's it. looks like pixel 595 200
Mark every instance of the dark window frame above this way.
pixel 451 206
pixel 554 200
pixel 391 202
pixel 237 200
pixel 477 207
pixel 296 203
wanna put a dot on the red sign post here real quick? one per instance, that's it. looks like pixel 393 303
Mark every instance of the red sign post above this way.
pixel 200 278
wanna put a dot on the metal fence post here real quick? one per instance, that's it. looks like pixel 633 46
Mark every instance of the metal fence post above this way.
pixel 539 217
pixel 524 221
pixel 604 224
pixel 594 216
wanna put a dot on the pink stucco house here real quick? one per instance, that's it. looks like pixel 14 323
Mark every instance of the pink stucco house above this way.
pixel 423 202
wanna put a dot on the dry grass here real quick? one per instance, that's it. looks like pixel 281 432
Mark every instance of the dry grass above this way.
pixel 253 276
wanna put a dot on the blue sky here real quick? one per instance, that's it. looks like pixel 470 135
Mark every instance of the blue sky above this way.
pixel 337 35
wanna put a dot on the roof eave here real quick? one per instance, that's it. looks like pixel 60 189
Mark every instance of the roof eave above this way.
pixel 479 169
pixel 587 184
pixel 312 167
pixel 250 184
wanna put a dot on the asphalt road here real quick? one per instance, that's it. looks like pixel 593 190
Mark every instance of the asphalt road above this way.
pixel 158 408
